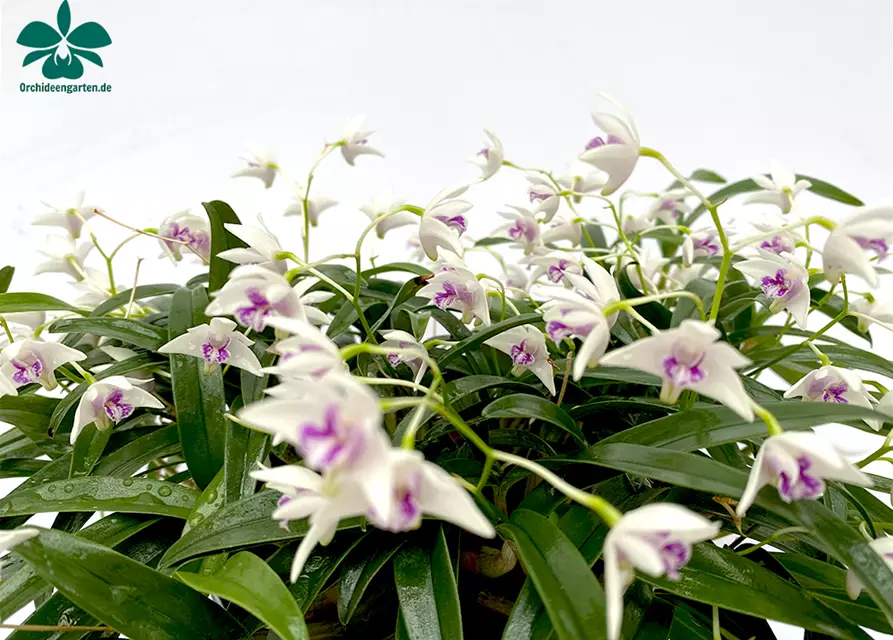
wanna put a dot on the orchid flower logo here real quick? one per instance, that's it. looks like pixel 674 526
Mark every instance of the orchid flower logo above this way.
pixel 63 48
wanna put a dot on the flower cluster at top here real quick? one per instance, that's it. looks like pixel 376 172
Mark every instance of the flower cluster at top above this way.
pixel 567 271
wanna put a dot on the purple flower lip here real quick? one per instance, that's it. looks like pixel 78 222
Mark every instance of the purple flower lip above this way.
pixel 520 355
pixel 598 141
pixel 115 408
pixel 538 196
pixel 26 372
pixel 523 229
pixel 681 371
pixel 452 293
pixel 558 331
pixel 878 245
pixel 335 443
pixel 777 286
pixel 214 353
pixel 707 244
pixel 804 486
pixel 459 222
pixel 484 152
pixel 829 391
pixel 255 313
pixel 778 244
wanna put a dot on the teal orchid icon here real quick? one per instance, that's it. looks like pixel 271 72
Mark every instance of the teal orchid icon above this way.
pixel 63 49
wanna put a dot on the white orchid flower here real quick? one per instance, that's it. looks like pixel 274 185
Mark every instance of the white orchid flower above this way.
pixel 12 537
pixel 543 192
pixel 94 289
pixel 70 218
pixel 444 222
pixel 516 278
pixel 689 357
pixel 306 494
pixel 260 164
pixel 335 424
pixel 27 361
pixel 572 315
pixel 524 230
pixel 563 228
pixel 651 266
pixel 582 178
pixel 780 241
pixel 526 346
pixel 402 340
pixel 884 548
pixel 65 256
pixel 633 224
pixel 669 207
pixel 876 310
pixel 262 248
pixel 797 463
pixel 656 539
pixel 458 288
pixel 109 401
pixel 252 294
pixel 24 324
pixel 381 207
pixel 554 265
pixel 835 385
pixel 355 140
pixel 703 243
pixel 600 287
pixel 618 153
pixel 306 354
pixel 869 229
pixel 309 298
pixel 316 205
pixel 218 343
pixel 422 487
pixel 779 189
pixel 783 280
pixel 490 158
pixel 184 227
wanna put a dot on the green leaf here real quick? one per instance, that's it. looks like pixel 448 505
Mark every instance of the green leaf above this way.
pixel 237 525
pixel 140 293
pixel 90 35
pixel 593 237
pixel 134 599
pixel 17 302
pixel 519 438
pixel 686 626
pixel 135 332
pixel 130 457
pixel 6 274
pixel 827 583
pixel 407 291
pixel 654 312
pixel 427 590
pixel 521 405
pixel 123 495
pixel 845 355
pixel 247 581
pixel 20 467
pixel 319 567
pixel 63 17
pixel 721 578
pixel 477 338
pixel 73 396
pixel 220 213
pixel 38 35
pixel 706 175
pixel 31 414
pixel 708 427
pixel 356 576
pixel 21 584
pixel 819 188
pixel 87 450
pixel 554 564
pixel 408 267
pixel 198 395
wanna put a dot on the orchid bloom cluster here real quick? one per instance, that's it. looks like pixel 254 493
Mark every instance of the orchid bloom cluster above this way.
pixel 555 301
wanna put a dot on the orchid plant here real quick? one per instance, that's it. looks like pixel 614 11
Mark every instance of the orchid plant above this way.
pixel 604 417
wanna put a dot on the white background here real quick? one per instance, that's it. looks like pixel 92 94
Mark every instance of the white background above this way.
pixel 727 85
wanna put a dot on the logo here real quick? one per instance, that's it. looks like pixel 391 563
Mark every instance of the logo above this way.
pixel 64 48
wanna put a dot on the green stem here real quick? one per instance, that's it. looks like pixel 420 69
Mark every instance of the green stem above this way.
pixel 9 335
pixel 772 424
pixel 714 214
pixel 623 305
pixel 86 375
pixel 305 200
pixel 776 535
